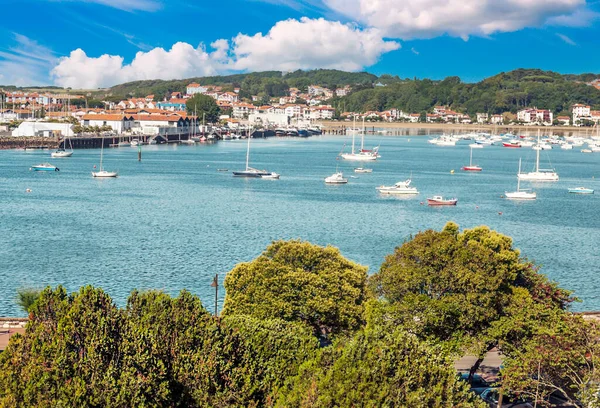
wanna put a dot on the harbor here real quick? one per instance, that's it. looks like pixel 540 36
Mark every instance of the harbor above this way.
pixel 179 216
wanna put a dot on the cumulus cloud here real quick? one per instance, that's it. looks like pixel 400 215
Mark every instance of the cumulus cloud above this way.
pixel 289 45
pixel 310 43
pixel 407 19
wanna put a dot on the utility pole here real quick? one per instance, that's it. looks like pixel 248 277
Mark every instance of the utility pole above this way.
pixel 215 284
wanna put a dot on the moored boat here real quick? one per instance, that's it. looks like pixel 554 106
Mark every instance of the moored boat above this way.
pixel 336 178
pixel 362 170
pixel 581 190
pixel 520 194
pixel 511 144
pixel 402 187
pixel 439 200
pixel 44 167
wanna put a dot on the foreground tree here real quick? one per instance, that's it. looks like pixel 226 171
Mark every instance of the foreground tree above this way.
pixel 560 359
pixel 378 368
pixel 203 105
pixel 462 288
pixel 26 298
pixel 299 282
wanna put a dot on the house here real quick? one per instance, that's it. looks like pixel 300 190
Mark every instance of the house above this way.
pixel 293 111
pixel 414 117
pixel 160 124
pixel 44 129
pixel 535 115
pixel 595 116
pixel 580 112
pixel 482 117
pixel 343 91
pixel 315 90
pixel 242 110
pixel 497 119
pixel 118 123
pixel 322 112
pixel 175 104
pixel 229 97
pixel 433 117
pixel 194 88
pixel 563 120
pixel 7 115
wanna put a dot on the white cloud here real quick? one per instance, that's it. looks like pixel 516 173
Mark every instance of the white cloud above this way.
pixel 127 5
pixel 407 19
pixel 566 39
pixel 305 44
pixel 26 62
pixel 289 45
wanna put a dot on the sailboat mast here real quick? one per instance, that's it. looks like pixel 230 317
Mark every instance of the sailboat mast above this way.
pixel 471 158
pixel 537 156
pixel 353 133
pixel 362 140
pixel 519 178
pixel 248 149
pixel 101 153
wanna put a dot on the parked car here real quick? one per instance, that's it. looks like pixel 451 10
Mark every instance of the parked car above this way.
pixel 478 383
pixel 490 396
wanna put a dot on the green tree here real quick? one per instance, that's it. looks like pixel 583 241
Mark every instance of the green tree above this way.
pixel 560 357
pixel 203 105
pixel 378 368
pixel 460 288
pixel 298 281
pixel 26 298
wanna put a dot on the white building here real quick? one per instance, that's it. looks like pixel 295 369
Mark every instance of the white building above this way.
pixel 267 118
pixel 497 119
pixel 194 88
pixel 243 110
pixel 482 117
pixel 535 116
pixel 45 129
pixel 118 123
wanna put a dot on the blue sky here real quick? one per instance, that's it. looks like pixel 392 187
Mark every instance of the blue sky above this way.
pixel 97 43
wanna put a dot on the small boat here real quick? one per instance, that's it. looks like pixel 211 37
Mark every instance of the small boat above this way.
pixel 188 141
pixel 134 143
pixel 439 200
pixel 44 167
pixel 250 172
pixel 62 152
pixel 476 146
pixel 539 174
pixel 336 178
pixel 566 146
pixel 103 173
pixel 581 190
pixel 271 176
pixel 402 187
pixel 124 144
pixel 586 151
pixel 511 144
pixel 471 166
pixel 362 170
pixel 222 169
pixel 520 194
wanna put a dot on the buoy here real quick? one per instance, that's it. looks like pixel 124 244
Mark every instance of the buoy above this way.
pixel 451 171
pixel 421 202
pixel 94 166
pixel 500 213
pixel 477 207
pixel 28 190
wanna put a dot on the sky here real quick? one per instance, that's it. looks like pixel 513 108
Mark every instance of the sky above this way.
pixel 99 43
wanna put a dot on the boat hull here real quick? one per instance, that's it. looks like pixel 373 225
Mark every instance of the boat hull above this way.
pixel 104 174
pixel 396 191
pixel 520 195
pixel 439 203
pixel 538 176
pixel 471 168
pixel 37 168
pixel 358 157
pixel 61 154
pixel 581 191
pixel 511 145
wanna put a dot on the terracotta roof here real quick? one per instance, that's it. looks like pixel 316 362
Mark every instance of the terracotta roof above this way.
pixel 107 117
pixel 159 118
pixel 193 85
pixel 563 118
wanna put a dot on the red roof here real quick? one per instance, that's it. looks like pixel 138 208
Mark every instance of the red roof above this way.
pixel 107 117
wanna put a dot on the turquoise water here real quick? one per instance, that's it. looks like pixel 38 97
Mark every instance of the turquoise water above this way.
pixel 173 221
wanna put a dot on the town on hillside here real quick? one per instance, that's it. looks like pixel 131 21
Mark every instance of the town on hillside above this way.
pixel 66 114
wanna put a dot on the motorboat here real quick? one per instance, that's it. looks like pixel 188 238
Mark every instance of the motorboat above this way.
pixel 402 187
pixel 439 201
pixel 135 143
pixel 44 167
pixel 362 170
pixel 586 151
pixel 566 146
pixel 581 190
pixel 336 178
pixel 512 144
pixel 476 146
pixel 520 194
pixel 271 176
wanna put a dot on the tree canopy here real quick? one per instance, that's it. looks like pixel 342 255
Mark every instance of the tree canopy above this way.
pixel 203 106
pixel 299 282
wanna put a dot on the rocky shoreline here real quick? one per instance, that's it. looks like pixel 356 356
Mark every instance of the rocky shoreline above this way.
pixel 10 142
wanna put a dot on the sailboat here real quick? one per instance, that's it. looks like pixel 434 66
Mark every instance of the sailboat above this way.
pixel 471 167
pixel 254 173
pixel 103 173
pixel 520 194
pixel 62 152
pixel 362 155
pixel 539 174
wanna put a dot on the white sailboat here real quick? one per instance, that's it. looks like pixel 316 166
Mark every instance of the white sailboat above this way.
pixel 520 194
pixel 63 152
pixel 251 172
pixel 362 155
pixel 539 174
pixel 103 173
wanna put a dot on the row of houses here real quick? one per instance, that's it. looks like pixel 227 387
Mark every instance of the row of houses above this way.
pixel 35 98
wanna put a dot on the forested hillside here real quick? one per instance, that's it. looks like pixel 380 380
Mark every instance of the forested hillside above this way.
pixel 505 92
